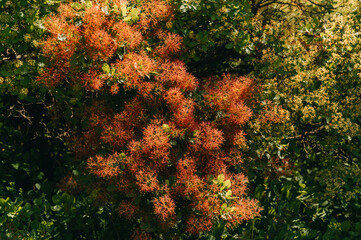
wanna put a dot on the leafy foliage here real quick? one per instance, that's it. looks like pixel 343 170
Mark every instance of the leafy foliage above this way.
pixel 62 216
pixel 310 75
pixel 28 144
pixel 171 149
pixel 216 35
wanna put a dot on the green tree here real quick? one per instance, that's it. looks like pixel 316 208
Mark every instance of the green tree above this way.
pixel 312 72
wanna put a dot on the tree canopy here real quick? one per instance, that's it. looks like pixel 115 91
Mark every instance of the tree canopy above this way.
pixel 175 119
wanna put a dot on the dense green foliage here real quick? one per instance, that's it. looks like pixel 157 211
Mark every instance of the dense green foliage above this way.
pixel 216 35
pixel 38 215
pixel 303 166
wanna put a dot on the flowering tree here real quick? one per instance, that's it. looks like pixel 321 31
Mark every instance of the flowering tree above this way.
pixel 160 146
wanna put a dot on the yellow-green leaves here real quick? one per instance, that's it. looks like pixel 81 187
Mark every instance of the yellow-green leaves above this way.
pixel 133 15
pixel 106 68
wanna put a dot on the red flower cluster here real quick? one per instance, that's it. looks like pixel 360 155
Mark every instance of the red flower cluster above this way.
pixel 168 154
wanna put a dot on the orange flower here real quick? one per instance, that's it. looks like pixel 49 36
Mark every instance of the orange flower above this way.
pixel 133 68
pixel 174 74
pixel 99 44
pixel 66 11
pixel 172 45
pixel 273 113
pixel 94 17
pixel 125 35
pixel 114 89
pixel 68 184
pixel 93 80
pixel 184 115
pixel 141 235
pixel 239 184
pixel 237 114
pixel 243 209
pixel 155 145
pixel 229 95
pixel 104 167
pixel 164 206
pixel 195 225
pixel 208 138
pixel 153 12
pixel 183 108
pixel 188 183
pixel 116 133
pixel 174 98
pixel 240 140
pixel 147 180
pixel 174 140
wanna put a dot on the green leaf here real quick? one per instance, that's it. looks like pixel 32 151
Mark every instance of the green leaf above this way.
pixel 358 226
pixel 134 15
pixel 55 208
pixel 106 68
pixel 220 178
pixel 229 194
pixel 16 165
pixel 123 8
pixel 227 184
pixel 229 45
pixel 5 73
pixel 211 237
pixel 345 226
pixel 324 204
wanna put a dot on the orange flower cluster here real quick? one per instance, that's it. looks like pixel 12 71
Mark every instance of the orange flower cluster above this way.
pixel 62 42
pixel 104 167
pixel 229 96
pixel 182 108
pixel 208 139
pixel 126 36
pixel 174 74
pixel 69 184
pixel 154 12
pixel 227 103
pixel 133 69
pixel 172 45
pixel 127 209
pixel 208 196
pixel 273 113
pixel 51 76
pixel 167 148
pixel 164 206
pixel 93 79
pixel 141 235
